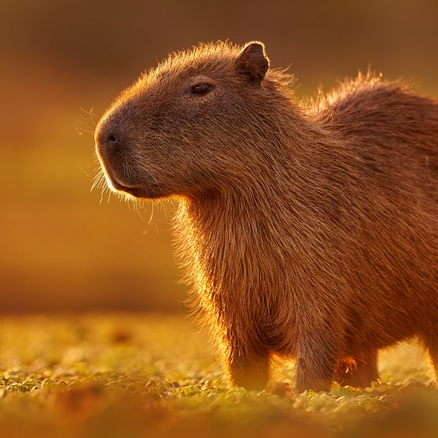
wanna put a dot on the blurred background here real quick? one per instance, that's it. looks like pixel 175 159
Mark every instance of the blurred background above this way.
pixel 66 248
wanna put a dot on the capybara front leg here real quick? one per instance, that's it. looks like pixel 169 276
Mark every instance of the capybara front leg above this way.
pixel 248 369
pixel 316 364
pixel 358 371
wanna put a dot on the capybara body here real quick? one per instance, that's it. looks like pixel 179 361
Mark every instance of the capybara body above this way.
pixel 309 230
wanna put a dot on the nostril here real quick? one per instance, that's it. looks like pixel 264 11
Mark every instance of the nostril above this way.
pixel 112 139
pixel 109 137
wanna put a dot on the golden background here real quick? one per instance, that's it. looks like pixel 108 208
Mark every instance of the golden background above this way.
pixel 64 248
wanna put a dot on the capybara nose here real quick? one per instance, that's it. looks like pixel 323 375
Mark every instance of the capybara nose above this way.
pixel 108 140
pixel 111 140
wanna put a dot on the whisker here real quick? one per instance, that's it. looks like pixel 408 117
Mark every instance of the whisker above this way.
pixel 97 181
pixel 88 125
pixel 152 212
pixel 93 117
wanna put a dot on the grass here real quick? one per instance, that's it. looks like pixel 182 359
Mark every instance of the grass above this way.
pixel 132 375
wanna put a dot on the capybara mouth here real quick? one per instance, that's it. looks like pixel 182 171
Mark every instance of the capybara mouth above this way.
pixel 120 187
pixel 146 191
pixel 141 192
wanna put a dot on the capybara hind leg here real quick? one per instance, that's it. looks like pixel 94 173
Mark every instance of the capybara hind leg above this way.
pixel 250 371
pixel 358 371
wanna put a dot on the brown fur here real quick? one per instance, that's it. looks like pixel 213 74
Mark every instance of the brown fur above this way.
pixel 309 231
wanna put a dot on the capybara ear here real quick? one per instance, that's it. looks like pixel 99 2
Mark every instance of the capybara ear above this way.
pixel 253 62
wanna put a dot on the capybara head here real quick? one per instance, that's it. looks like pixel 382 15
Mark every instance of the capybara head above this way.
pixel 174 130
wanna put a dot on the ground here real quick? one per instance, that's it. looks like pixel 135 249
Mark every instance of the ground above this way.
pixel 135 375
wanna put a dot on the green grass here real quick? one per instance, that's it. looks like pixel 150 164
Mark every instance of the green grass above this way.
pixel 156 376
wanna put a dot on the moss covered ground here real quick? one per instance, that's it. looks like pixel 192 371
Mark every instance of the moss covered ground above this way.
pixel 133 375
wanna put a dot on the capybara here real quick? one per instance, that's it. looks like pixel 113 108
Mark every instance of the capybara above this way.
pixel 310 230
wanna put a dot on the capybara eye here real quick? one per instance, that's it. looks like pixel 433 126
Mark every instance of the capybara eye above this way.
pixel 200 89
